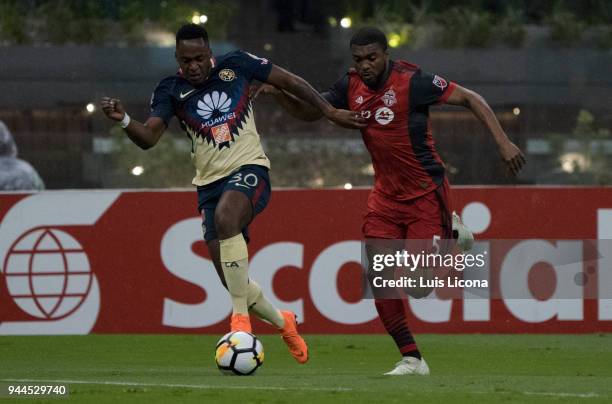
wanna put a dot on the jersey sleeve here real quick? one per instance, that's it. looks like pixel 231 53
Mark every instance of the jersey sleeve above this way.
pixel 428 89
pixel 255 67
pixel 337 94
pixel 161 102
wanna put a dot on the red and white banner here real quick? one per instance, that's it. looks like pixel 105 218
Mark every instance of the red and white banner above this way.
pixel 75 262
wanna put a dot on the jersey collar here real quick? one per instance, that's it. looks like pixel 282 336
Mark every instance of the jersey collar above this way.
pixel 384 79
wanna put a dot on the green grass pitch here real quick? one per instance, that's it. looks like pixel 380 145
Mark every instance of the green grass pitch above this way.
pixel 343 368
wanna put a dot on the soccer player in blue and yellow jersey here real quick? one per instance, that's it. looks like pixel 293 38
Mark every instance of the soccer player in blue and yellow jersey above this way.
pixel 410 199
pixel 210 97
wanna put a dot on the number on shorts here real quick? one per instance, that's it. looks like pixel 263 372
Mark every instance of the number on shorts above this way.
pixel 248 181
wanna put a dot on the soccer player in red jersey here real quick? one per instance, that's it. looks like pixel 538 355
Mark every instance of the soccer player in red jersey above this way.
pixel 410 199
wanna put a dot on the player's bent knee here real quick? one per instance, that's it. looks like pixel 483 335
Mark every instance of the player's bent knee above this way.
pixel 227 225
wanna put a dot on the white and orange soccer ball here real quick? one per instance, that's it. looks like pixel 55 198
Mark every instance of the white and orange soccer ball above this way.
pixel 239 353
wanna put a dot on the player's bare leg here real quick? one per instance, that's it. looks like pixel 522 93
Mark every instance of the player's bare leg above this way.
pixel 233 212
pixel 256 302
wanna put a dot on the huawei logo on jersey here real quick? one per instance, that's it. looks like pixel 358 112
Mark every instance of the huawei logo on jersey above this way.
pixel 216 118
pixel 384 115
pixel 215 102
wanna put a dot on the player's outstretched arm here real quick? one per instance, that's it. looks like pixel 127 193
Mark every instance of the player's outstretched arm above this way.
pixel 511 155
pixel 144 135
pixel 300 88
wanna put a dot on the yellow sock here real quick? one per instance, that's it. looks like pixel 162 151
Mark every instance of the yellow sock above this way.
pixel 262 307
pixel 234 262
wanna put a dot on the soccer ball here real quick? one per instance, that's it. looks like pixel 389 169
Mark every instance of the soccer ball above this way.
pixel 239 353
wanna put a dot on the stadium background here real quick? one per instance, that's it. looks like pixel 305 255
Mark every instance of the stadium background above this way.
pixel 126 257
pixel 548 86
pixel 541 65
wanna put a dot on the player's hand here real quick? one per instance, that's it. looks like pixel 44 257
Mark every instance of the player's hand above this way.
pixel 112 108
pixel 266 89
pixel 347 119
pixel 513 157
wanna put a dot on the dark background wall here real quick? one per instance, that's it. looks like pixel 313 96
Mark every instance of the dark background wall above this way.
pixel 44 90
pixel 46 77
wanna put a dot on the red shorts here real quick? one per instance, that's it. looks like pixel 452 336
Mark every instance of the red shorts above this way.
pixel 418 219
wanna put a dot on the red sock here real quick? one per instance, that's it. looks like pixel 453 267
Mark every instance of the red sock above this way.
pixel 393 316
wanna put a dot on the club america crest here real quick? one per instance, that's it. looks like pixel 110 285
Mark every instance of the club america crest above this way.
pixel 227 75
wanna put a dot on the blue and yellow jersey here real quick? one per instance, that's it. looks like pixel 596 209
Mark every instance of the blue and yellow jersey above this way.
pixel 217 115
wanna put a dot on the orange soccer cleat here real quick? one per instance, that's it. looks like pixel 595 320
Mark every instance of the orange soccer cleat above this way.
pixel 296 344
pixel 240 322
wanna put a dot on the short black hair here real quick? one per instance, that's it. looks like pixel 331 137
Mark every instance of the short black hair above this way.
pixel 369 35
pixel 191 31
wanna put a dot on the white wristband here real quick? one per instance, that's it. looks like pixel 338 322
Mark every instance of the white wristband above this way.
pixel 125 121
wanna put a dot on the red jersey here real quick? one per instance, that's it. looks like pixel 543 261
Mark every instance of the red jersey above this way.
pixel 398 135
